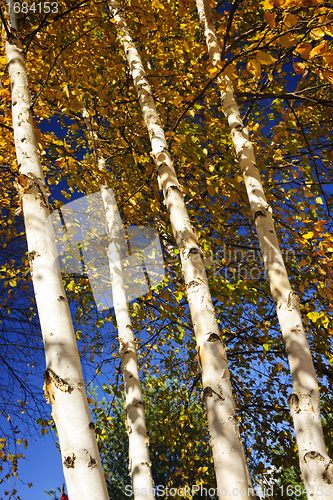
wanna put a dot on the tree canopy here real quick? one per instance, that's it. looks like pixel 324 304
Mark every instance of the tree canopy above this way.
pixel 279 56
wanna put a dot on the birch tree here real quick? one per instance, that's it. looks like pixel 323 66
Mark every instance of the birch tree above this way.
pixel 316 465
pixel 229 459
pixel 64 385
pixel 261 68
pixel 139 460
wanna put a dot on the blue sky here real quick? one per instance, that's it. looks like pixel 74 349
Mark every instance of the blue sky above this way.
pixel 43 464
pixel 42 467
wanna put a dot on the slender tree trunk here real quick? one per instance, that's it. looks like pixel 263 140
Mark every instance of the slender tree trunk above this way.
pixel 228 453
pixel 140 466
pixel 64 385
pixel 316 466
pixel 139 459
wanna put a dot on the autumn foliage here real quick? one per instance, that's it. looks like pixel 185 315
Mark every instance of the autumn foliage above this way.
pixel 279 57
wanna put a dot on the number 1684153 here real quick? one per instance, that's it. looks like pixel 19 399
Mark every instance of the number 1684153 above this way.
pixel 34 7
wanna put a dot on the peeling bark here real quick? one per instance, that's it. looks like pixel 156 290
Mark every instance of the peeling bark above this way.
pixel 305 400
pixel 228 453
pixel 64 384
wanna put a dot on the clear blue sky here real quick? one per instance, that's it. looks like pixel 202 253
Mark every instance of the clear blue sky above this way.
pixel 42 467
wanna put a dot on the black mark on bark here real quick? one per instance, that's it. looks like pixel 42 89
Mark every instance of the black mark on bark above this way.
pixel 213 337
pixel 92 462
pixel 69 462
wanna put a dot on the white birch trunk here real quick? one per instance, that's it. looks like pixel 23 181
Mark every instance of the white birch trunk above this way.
pixel 140 465
pixel 228 453
pixel 139 459
pixel 316 466
pixel 64 385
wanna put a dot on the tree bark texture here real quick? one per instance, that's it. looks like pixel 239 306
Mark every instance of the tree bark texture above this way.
pixel 139 459
pixel 316 466
pixel 228 453
pixel 64 385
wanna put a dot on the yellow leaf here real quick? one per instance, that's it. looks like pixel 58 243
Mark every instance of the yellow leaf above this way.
pixel 177 100
pixel 304 49
pixel 287 40
pixel 319 50
pixel 264 58
pixel 254 68
pixel 212 72
pixel 290 20
pixel 268 4
pixel 319 200
pixel 309 3
pixel 299 68
pixel 286 3
pixel 230 72
pixel 317 34
pixel 328 30
pixel 66 90
pixel 308 235
pixel 211 190
pixel 327 75
pixel 157 4
pixel 328 57
pixel 270 19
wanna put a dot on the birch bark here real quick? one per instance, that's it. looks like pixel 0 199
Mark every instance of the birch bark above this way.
pixel 64 385
pixel 140 465
pixel 228 453
pixel 139 459
pixel 315 464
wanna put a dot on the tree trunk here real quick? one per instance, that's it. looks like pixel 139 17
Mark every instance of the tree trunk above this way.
pixel 140 465
pixel 316 466
pixel 139 459
pixel 228 453
pixel 64 385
